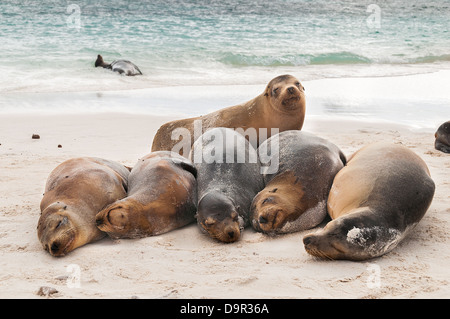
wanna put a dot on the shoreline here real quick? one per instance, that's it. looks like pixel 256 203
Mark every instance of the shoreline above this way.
pixel 420 101
pixel 185 263
pixel 90 80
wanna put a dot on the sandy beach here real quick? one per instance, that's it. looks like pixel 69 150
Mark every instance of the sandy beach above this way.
pixel 185 263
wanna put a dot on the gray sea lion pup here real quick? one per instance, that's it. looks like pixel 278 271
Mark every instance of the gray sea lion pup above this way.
pixel 121 66
pixel 75 192
pixel 442 135
pixel 295 196
pixel 228 178
pixel 162 196
pixel 375 201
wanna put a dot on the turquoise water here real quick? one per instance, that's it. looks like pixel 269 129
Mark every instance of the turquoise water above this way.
pixel 50 46
pixel 170 39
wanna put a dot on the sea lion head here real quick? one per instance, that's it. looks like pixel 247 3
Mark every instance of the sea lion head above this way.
pixel 58 231
pixel 120 219
pixel 218 216
pixel 284 206
pixel 442 136
pixel 274 206
pixel 286 94
pixel 356 237
pixel 99 61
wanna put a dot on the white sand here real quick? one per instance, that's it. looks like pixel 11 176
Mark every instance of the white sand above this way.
pixel 185 263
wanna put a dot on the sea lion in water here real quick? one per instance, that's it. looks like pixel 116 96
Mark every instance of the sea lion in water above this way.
pixel 228 178
pixel 295 196
pixel 162 196
pixel 281 106
pixel 442 135
pixel 121 66
pixel 75 192
pixel 375 201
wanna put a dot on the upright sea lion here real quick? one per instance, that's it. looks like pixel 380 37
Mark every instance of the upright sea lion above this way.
pixel 295 196
pixel 442 135
pixel 375 201
pixel 121 66
pixel 228 178
pixel 75 192
pixel 162 196
pixel 281 106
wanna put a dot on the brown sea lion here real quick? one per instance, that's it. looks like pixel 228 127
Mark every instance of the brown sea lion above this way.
pixel 162 196
pixel 295 196
pixel 281 106
pixel 375 201
pixel 442 135
pixel 75 192
pixel 229 176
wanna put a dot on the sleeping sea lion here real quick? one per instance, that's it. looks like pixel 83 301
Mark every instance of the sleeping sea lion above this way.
pixel 295 196
pixel 228 178
pixel 162 196
pixel 375 201
pixel 75 192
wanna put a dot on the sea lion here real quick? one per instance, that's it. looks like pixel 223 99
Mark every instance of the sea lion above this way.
pixel 121 66
pixel 228 178
pixel 295 196
pixel 75 192
pixel 442 135
pixel 162 196
pixel 281 106
pixel 375 201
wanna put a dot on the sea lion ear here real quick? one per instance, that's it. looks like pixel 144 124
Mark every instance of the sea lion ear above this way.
pixel 343 158
pixel 187 166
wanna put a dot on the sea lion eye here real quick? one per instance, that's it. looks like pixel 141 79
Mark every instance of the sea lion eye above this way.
pixel 209 221
pixel 62 222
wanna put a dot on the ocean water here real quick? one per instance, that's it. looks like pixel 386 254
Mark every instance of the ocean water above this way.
pixel 49 47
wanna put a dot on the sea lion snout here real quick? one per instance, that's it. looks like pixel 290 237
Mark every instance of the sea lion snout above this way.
pixel 56 234
pixel 269 219
pixel 291 89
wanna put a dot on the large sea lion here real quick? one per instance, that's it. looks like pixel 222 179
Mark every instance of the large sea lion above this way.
pixel 229 176
pixel 442 135
pixel 375 201
pixel 121 66
pixel 162 196
pixel 281 106
pixel 75 192
pixel 295 196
